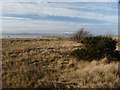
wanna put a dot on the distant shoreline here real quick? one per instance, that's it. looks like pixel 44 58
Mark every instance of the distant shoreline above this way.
pixel 40 35
pixel 34 35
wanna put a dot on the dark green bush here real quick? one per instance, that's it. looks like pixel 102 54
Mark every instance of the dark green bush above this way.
pixel 101 43
pixel 85 54
pixel 96 47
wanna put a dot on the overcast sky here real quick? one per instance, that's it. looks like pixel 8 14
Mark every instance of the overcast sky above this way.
pixel 42 16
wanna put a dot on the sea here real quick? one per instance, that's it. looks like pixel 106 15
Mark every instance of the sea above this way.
pixel 31 35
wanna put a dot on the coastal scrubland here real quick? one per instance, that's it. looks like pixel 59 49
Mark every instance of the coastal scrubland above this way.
pixel 47 63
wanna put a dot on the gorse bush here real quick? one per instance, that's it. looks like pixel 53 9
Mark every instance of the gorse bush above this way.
pixel 96 47
pixel 100 43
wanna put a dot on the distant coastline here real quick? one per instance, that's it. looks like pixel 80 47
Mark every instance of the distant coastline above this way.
pixel 31 35
pixel 39 35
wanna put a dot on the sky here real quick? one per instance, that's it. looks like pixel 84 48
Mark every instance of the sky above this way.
pixel 52 16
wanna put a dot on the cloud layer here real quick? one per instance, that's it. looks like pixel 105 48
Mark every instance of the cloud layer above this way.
pixel 58 17
pixel 60 0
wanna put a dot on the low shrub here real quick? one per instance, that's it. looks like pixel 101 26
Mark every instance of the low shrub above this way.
pixel 96 47
pixel 84 54
pixel 79 35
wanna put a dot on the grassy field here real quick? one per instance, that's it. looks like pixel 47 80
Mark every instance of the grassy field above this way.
pixel 47 63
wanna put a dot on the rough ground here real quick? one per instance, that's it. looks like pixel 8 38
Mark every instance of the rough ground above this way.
pixel 46 62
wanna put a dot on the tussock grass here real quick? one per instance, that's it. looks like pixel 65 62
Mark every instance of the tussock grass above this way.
pixel 95 75
pixel 46 62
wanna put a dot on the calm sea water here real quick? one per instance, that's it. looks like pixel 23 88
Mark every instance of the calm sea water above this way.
pixel 31 35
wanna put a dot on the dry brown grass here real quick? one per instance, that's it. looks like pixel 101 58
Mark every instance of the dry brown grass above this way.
pixel 46 62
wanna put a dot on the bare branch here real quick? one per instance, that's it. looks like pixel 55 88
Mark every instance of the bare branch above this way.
pixel 78 36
